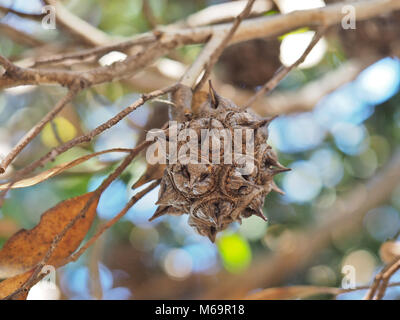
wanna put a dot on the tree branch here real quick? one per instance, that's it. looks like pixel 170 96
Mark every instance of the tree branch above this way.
pixel 33 16
pixel 171 39
pixel 98 51
pixel 306 97
pixel 222 12
pixel 224 40
pixel 78 27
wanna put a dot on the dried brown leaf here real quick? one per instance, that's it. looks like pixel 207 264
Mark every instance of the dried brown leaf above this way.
pixel 10 285
pixel 25 249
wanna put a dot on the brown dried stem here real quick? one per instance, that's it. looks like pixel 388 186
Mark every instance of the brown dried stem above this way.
pixel 118 70
pixel 98 51
pixel 381 281
pixel 33 16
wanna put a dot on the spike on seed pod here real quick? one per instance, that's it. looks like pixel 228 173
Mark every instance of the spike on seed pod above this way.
pixel 215 192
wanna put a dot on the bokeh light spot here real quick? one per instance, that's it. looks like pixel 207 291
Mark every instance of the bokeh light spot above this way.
pixel 60 130
pixel 204 256
pixel 112 200
pixel 380 81
pixel 296 133
pixel 349 138
pixel 178 264
pixel 303 183
pixel 294 45
pixel 235 252
pixel 143 210
pixel 330 166
pixel 382 223
pixel 144 239
pixel 253 228
pixel 364 264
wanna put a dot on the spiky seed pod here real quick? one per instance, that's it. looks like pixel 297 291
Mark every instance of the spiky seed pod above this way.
pixel 216 192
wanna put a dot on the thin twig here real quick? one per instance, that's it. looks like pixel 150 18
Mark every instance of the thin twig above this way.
pixel 111 222
pixel 192 74
pixel 36 276
pixel 148 13
pixel 33 16
pixel 381 281
pixel 393 284
pixel 283 71
pixel 31 134
pixel 386 278
pixel 224 42
pixel 97 51
pixel 96 194
pixel 101 128
pixel 86 137
pixel 300 291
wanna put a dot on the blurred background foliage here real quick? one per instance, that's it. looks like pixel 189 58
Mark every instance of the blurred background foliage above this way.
pixel 349 136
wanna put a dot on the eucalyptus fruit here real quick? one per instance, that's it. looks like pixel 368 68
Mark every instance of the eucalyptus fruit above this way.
pixel 230 169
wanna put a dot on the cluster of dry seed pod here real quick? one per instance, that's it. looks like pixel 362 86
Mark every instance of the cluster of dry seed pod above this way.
pixel 217 194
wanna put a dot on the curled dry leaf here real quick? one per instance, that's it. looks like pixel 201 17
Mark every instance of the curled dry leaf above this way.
pixel 8 286
pixel 25 249
pixel 293 292
pixel 389 251
pixel 31 181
